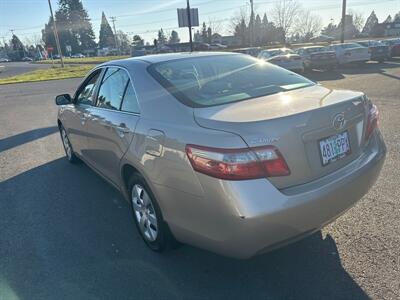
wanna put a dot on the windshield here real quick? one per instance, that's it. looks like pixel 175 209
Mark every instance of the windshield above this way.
pixel 215 80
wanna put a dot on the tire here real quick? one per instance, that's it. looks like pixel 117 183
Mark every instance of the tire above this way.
pixel 148 217
pixel 69 152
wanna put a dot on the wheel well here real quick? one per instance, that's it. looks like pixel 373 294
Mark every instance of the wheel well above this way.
pixel 127 171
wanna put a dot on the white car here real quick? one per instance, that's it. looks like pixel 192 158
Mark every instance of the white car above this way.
pixel 350 52
pixel 284 58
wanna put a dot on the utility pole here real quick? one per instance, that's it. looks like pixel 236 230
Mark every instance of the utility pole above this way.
pixel 113 19
pixel 343 21
pixel 190 25
pixel 56 35
pixel 252 24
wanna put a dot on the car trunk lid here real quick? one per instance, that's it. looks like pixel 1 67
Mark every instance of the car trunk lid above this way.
pixel 295 122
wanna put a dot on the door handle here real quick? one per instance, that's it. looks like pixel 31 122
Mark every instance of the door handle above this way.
pixel 122 130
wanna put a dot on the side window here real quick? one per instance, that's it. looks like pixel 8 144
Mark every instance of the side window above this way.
pixel 86 94
pixel 130 102
pixel 112 88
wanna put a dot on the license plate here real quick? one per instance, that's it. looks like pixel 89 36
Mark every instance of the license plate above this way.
pixel 334 147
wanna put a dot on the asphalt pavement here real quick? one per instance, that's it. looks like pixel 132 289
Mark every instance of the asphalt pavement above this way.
pixel 66 234
pixel 9 69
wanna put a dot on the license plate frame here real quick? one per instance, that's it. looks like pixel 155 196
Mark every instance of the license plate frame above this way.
pixel 343 138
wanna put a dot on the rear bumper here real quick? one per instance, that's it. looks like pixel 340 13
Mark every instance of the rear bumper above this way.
pixel 246 218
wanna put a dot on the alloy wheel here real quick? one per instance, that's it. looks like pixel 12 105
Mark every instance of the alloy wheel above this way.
pixel 144 212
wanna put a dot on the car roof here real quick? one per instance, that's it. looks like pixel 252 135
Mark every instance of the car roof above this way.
pixel 157 58
pixel 311 47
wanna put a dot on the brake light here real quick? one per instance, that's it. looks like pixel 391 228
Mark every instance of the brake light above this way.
pixel 237 164
pixel 373 121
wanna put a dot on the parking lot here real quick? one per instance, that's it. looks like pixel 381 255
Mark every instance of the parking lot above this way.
pixel 67 234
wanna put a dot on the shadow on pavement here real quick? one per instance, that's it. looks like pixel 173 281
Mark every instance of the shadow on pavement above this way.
pixel 25 137
pixel 66 234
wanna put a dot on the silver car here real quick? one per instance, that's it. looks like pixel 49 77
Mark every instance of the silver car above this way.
pixel 221 150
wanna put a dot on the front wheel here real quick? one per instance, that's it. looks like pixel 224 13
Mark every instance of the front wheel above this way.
pixel 148 217
pixel 69 152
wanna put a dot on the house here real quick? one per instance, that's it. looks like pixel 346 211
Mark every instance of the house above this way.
pixel 228 40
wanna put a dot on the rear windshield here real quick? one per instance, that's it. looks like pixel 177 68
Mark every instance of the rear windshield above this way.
pixel 215 80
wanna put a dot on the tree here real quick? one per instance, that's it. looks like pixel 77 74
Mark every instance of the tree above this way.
pixel 396 17
pixel 388 19
pixel 258 31
pixel 308 25
pixel 106 37
pixel 78 24
pixel 358 20
pixel 330 30
pixel 241 31
pixel 161 39
pixel 73 25
pixel 17 48
pixel 174 38
pixel 209 35
pixel 284 14
pixel 124 41
pixel 137 41
pixel 204 33
pixel 372 20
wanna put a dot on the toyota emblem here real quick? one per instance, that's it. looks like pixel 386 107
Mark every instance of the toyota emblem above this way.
pixel 339 121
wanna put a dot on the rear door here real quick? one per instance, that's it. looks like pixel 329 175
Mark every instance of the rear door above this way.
pixel 112 122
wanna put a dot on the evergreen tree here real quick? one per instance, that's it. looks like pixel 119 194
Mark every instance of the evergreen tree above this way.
pixel 241 32
pixel 137 41
pixel 161 39
pixel 258 31
pixel 174 38
pixel 106 36
pixel 204 33
pixel 396 17
pixel 209 35
pixel 388 19
pixel 76 20
pixel 17 48
pixel 73 25
pixel 372 20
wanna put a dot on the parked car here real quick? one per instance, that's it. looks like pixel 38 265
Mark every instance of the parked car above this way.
pixel 78 55
pixel 378 50
pixel 283 57
pixel 350 53
pixel 394 46
pixel 322 38
pixel 217 46
pixel 253 51
pixel 27 59
pixel 315 57
pixel 222 151
pixel 3 60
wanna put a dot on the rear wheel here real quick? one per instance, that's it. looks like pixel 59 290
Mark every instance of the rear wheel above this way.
pixel 148 217
pixel 69 152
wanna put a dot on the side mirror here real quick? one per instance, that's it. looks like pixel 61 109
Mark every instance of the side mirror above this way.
pixel 63 99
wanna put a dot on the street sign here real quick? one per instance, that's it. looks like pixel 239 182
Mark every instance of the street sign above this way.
pixel 50 49
pixel 183 17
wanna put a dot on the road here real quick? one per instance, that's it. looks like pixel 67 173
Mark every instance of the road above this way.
pixel 66 234
pixel 15 68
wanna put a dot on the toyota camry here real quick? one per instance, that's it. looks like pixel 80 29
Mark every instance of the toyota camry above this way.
pixel 223 151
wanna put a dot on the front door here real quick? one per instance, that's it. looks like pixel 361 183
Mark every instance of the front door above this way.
pixel 78 113
pixel 112 122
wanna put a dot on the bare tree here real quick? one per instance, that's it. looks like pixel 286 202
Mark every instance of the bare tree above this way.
pixel 284 14
pixel 358 19
pixel 308 24
pixel 242 15
pixel 216 26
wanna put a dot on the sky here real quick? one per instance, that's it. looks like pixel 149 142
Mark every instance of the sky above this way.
pixel 145 17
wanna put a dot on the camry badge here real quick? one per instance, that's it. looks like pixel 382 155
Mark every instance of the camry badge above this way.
pixel 339 121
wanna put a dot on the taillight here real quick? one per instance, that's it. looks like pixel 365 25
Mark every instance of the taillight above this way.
pixel 237 164
pixel 373 121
